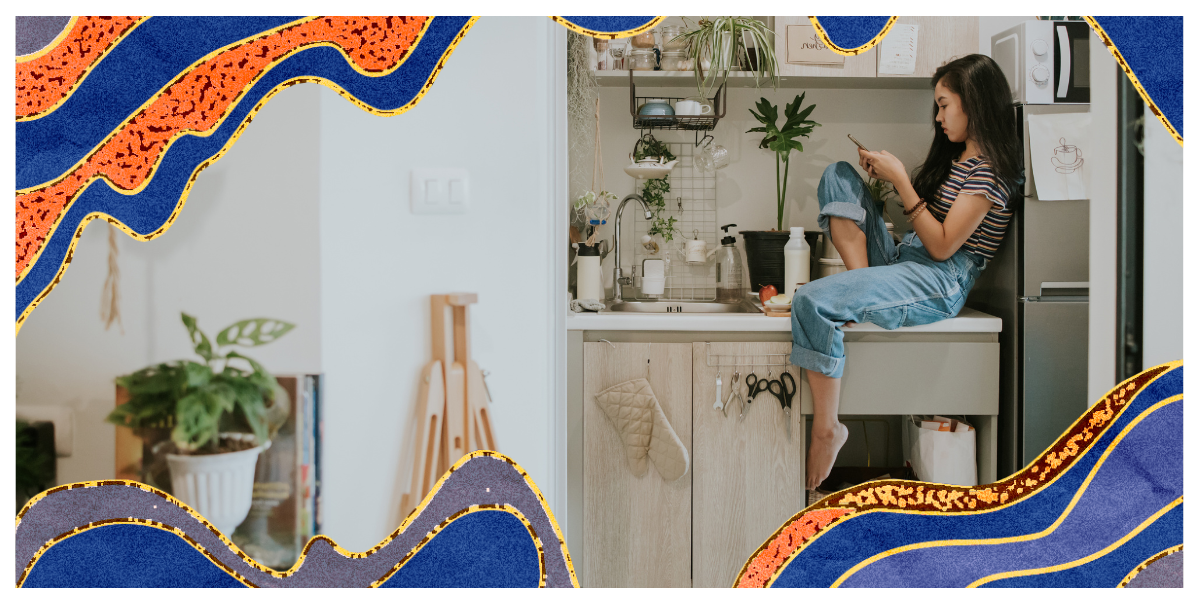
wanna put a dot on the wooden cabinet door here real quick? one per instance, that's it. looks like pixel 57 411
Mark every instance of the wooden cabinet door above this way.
pixel 860 65
pixel 939 40
pixel 749 478
pixel 636 530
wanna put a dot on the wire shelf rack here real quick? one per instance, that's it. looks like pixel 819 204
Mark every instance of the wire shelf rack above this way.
pixel 674 122
pixel 692 200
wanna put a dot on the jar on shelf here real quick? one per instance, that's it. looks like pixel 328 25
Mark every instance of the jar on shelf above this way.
pixel 641 59
pixel 601 53
pixel 643 40
pixel 669 33
pixel 674 60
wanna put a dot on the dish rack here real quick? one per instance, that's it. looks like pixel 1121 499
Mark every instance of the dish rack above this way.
pixel 674 122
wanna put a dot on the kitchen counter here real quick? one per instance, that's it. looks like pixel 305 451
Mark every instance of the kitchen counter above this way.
pixel 968 321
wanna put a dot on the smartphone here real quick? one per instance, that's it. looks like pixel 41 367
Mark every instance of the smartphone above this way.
pixel 856 142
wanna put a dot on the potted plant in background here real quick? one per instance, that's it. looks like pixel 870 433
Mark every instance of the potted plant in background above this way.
pixel 717 45
pixel 221 414
pixel 764 249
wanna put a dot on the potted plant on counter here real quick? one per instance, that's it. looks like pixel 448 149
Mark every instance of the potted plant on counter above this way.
pixel 764 249
pixel 221 413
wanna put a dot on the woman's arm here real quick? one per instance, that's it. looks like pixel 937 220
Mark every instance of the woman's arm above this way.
pixel 940 239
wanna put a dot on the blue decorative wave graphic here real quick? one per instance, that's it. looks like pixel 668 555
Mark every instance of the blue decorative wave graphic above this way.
pixel 485 524
pixel 149 209
pixel 1117 506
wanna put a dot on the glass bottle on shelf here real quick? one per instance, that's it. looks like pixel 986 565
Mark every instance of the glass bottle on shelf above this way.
pixel 601 53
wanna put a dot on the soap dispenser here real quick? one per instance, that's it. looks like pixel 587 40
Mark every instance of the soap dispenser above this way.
pixel 729 270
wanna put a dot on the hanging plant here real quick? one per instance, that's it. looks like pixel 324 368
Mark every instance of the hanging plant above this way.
pixel 654 191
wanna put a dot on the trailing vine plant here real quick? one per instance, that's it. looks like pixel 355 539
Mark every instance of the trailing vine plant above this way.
pixel 655 190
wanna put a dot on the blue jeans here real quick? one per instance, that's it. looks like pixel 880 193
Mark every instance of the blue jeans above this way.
pixel 902 287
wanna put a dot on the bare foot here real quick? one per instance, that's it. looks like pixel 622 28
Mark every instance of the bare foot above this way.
pixel 821 453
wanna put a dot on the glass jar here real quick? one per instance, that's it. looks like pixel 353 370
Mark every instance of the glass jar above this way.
pixel 643 40
pixel 669 33
pixel 674 60
pixel 642 59
pixel 601 54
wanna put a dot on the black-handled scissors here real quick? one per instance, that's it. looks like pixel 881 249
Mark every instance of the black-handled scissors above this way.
pixel 755 386
pixel 781 390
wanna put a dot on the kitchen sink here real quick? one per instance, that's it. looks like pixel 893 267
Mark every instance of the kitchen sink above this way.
pixel 681 306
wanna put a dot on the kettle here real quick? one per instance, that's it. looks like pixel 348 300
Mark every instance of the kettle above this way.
pixel 696 250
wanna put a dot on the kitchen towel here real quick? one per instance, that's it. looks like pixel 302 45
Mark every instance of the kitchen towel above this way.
pixel 1059 150
pixel 635 412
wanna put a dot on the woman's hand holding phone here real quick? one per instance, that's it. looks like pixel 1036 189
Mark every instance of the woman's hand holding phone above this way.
pixel 882 165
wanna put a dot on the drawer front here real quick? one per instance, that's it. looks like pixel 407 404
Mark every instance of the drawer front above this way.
pixel 898 378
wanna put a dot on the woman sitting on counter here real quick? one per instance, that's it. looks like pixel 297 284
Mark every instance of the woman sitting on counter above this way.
pixel 959 204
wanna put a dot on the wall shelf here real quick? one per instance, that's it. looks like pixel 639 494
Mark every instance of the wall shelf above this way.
pixel 687 79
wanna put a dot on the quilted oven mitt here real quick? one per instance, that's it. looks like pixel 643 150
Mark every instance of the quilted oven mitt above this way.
pixel 635 412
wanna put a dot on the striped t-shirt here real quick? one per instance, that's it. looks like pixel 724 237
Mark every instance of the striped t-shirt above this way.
pixel 975 176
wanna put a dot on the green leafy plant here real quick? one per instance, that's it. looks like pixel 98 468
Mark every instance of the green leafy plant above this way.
pixel 782 140
pixel 201 400
pixel 654 191
pixel 32 467
pixel 881 191
pixel 722 41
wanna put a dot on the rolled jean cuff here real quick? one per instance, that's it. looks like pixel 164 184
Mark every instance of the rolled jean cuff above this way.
pixel 815 361
pixel 848 210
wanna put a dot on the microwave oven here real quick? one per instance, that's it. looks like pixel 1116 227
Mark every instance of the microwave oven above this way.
pixel 1046 62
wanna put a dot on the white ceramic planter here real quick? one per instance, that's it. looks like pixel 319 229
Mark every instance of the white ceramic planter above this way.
pixel 218 486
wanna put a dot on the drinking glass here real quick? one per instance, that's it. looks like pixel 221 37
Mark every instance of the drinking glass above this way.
pixel 618 54
pixel 720 157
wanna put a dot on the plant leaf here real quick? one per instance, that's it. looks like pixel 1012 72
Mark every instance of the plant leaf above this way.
pixel 253 332
pixel 199 341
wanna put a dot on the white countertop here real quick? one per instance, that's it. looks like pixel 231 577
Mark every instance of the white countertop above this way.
pixel 968 321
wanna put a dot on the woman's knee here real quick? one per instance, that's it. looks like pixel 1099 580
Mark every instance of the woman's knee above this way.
pixel 838 183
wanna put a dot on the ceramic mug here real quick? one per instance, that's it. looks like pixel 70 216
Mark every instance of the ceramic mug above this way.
pixel 692 107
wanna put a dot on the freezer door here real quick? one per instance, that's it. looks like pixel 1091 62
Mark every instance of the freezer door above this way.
pixel 1055 349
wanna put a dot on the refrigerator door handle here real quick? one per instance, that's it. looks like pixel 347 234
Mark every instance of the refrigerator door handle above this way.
pixel 1052 287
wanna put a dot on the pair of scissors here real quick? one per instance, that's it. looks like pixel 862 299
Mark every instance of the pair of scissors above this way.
pixel 781 390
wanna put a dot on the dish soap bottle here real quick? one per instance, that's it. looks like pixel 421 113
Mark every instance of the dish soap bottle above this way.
pixel 795 262
pixel 729 270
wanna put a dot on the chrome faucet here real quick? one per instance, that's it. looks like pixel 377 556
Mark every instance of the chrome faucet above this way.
pixel 618 278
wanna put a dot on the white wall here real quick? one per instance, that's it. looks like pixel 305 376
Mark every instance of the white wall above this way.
pixel 245 245
pixel 1102 232
pixel 1162 244
pixel 898 121
pixel 380 263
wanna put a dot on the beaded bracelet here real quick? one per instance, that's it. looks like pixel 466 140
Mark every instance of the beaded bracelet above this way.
pixel 917 210
pixel 919 204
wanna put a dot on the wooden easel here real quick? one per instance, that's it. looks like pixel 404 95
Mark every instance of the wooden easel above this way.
pixel 453 406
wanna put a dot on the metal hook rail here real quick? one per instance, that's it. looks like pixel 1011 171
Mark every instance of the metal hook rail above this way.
pixel 771 360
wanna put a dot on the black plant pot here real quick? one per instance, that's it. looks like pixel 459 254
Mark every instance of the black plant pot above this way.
pixel 764 257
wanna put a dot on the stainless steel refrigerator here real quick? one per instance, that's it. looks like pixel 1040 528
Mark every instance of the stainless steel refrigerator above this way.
pixel 1038 285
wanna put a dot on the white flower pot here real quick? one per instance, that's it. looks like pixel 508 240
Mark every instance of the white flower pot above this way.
pixel 218 486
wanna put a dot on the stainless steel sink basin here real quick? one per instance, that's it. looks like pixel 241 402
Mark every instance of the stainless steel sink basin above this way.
pixel 680 306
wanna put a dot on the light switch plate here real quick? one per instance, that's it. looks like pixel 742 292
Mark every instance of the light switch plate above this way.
pixel 439 191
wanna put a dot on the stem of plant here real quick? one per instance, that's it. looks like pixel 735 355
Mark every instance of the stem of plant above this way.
pixel 783 192
pixel 779 197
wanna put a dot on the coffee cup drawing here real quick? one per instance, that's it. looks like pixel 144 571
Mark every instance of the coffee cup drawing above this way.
pixel 1067 158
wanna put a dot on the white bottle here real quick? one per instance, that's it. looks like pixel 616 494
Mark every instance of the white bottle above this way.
pixel 589 284
pixel 795 262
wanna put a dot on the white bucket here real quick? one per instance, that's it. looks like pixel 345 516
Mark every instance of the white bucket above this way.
pixel 830 266
pixel 218 486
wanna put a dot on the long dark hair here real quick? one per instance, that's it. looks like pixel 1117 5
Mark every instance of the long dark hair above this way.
pixel 991 122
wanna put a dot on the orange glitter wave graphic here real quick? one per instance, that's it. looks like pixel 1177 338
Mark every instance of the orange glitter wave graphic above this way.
pixel 48 77
pixel 197 101
pixel 767 561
